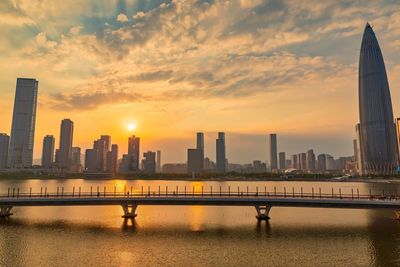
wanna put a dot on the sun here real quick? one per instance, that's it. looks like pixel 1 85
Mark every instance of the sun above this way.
pixel 131 127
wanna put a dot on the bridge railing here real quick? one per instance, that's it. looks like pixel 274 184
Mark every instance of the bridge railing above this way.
pixel 185 192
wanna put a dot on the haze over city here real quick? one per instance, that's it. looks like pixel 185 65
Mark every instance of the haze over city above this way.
pixel 174 68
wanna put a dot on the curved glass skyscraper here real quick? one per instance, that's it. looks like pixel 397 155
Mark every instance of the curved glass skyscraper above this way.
pixel 377 130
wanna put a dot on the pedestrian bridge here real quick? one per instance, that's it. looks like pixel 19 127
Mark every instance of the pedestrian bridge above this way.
pixel 261 201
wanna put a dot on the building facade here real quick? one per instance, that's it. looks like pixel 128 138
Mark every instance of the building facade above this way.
pixel 220 155
pixel 377 129
pixel 273 152
pixel 48 151
pixel 65 150
pixel 23 123
pixel 4 147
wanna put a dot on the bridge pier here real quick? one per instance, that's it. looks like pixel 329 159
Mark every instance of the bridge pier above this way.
pixel 5 211
pixel 263 212
pixel 129 211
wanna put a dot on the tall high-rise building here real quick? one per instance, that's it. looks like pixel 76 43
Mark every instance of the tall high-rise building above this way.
pixel 149 162
pixel 23 123
pixel 310 160
pixel 221 156
pixel 107 141
pixel 65 151
pixel 282 160
pixel 378 135
pixel 273 152
pixel 200 145
pixel 4 147
pixel 398 137
pixel 330 162
pixel 91 160
pixel 321 162
pixel 194 158
pixel 100 146
pixel 302 161
pixel 48 151
pixel 134 152
pixel 158 161
pixel 112 159
pixel 295 162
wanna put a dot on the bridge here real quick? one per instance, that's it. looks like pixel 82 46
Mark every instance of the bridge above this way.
pixel 261 201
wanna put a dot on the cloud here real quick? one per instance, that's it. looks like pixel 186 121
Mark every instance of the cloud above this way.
pixel 122 17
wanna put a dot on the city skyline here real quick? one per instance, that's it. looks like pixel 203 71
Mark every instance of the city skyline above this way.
pixel 265 102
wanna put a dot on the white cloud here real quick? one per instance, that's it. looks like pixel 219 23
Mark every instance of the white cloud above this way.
pixel 122 17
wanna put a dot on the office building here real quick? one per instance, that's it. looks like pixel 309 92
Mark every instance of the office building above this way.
pixel 295 162
pixel 310 160
pixel 220 155
pixel 321 162
pixel 377 129
pixel 134 152
pixel 273 152
pixel 302 161
pixel 158 161
pixel 4 147
pixel 330 163
pixel 107 141
pixel 65 150
pixel 112 159
pixel 23 123
pixel 91 160
pixel 100 146
pixel 194 160
pixel 149 162
pixel 48 151
pixel 200 145
pixel 282 160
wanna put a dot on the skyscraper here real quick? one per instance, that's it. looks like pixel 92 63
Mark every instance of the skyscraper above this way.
pixel 4 147
pixel 23 123
pixel 302 161
pixel 310 160
pixel 378 137
pixel 273 152
pixel 321 162
pixel 282 160
pixel 133 152
pixel 48 151
pixel 194 160
pixel 112 159
pixel 100 146
pixel 221 156
pixel 158 161
pixel 66 136
pixel 149 162
pixel 200 145
pixel 359 153
pixel 107 141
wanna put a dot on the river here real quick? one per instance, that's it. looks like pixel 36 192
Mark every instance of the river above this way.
pixel 198 236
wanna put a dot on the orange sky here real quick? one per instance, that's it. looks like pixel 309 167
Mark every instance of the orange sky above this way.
pixel 244 67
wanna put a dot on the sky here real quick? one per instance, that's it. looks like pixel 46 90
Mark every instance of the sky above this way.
pixel 244 67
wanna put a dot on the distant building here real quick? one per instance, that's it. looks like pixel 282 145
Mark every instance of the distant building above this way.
pixel 330 163
pixel 91 160
pixel 200 145
pixel 134 152
pixel 303 161
pixel 282 160
pixel 322 162
pixel 112 159
pixel 310 160
pixel 259 167
pixel 273 152
pixel 149 162
pixel 4 147
pixel 221 155
pixel 100 146
pixel 174 168
pixel 288 164
pixel 76 166
pixel 23 123
pixel 194 162
pixel 158 161
pixel 48 151
pixel 65 150
pixel 295 162
pixel 209 165
pixel 107 141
